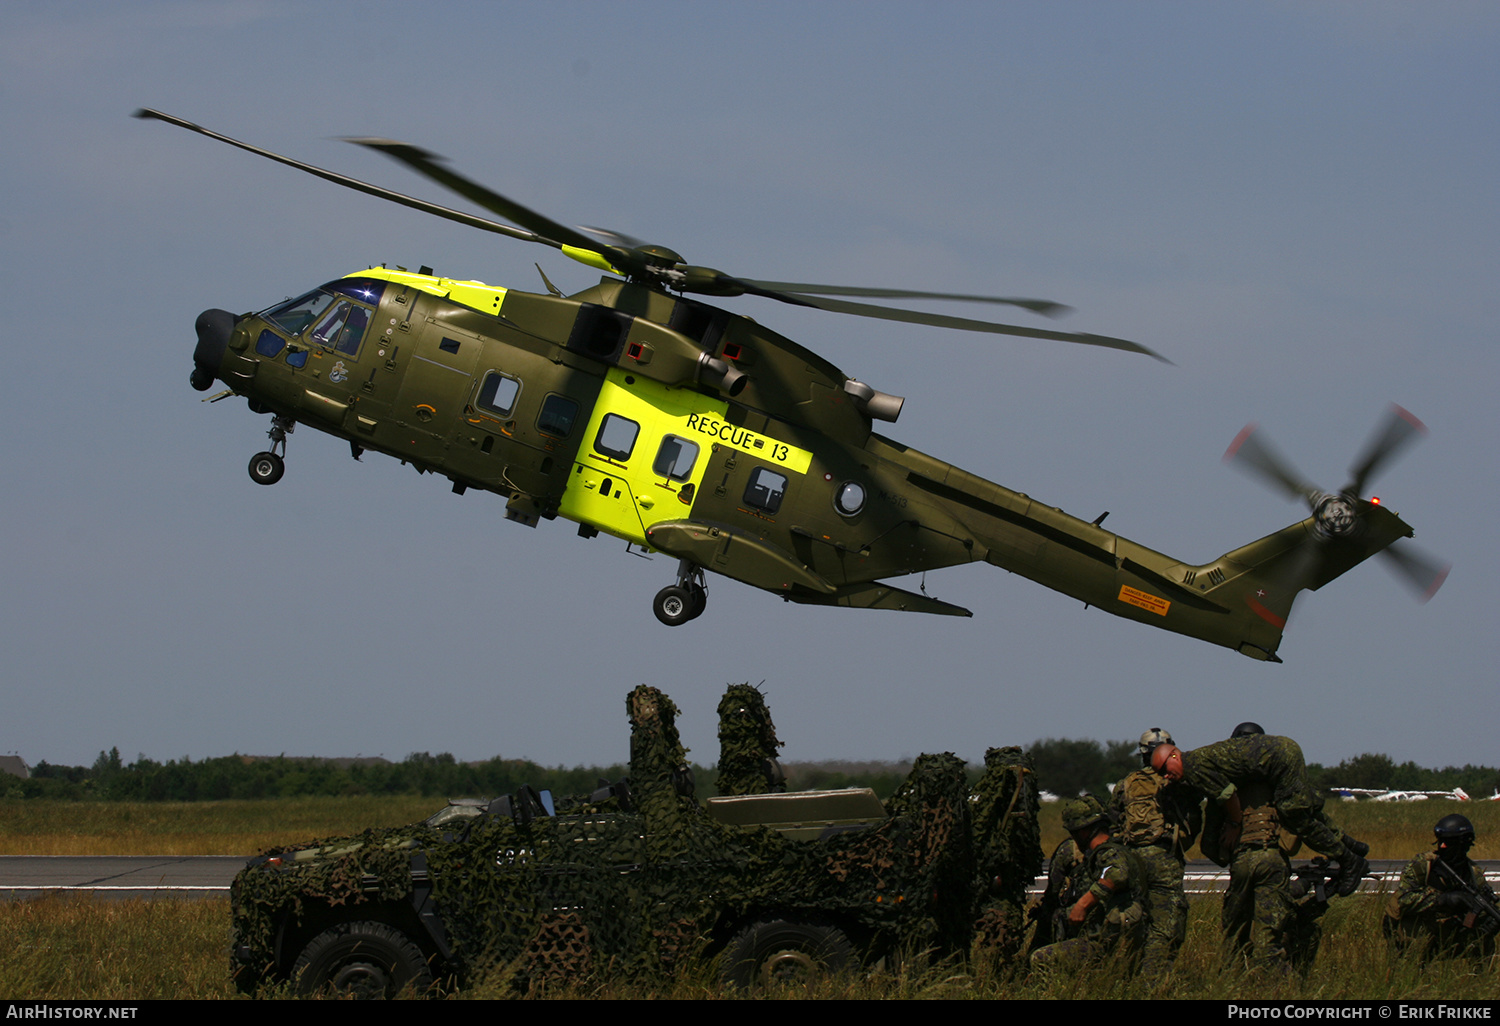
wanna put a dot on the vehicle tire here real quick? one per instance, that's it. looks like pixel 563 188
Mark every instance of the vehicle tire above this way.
pixel 266 468
pixel 361 960
pixel 699 595
pixel 782 952
pixel 673 606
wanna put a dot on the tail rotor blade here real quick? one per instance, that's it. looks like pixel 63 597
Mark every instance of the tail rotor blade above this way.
pixel 1423 574
pixel 1251 453
pixel 1400 428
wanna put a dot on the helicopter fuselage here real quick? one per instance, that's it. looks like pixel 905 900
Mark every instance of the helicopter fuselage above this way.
pixel 690 431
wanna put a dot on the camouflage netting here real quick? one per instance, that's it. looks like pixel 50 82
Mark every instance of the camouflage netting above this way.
pixel 747 744
pixel 1008 856
pixel 601 888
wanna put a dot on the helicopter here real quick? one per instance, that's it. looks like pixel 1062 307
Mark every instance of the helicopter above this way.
pixel 635 409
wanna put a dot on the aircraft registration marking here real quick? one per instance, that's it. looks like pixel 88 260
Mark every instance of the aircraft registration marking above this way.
pixel 767 448
pixel 1144 600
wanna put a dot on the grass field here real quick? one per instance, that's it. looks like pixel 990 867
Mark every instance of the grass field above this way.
pixel 1394 830
pixel 79 948
pixel 74 948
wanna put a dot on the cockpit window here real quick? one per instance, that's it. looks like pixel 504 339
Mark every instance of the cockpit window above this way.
pixel 342 328
pixel 293 316
pixel 366 290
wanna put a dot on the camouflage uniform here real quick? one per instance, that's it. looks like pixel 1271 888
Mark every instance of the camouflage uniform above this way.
pixel 1064 870
pixel 1158 823
pixel 1111 873
pixel 1419 912
pixel 1243 832
pixel 1275 763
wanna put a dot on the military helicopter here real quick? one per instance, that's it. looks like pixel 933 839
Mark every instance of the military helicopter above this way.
pixel 634 409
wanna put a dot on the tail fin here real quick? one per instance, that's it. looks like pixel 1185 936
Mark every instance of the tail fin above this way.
pixel 1260 581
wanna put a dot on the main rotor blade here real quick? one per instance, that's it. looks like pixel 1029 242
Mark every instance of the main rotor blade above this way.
pixel 886 313
pixel 1252 454
pixel 1042 306
pixel 1400 428
pixel 425 163
pixel 354 183
pixel 1420 572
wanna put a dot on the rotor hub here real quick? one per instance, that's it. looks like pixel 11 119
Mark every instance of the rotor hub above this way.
pixel 1335 516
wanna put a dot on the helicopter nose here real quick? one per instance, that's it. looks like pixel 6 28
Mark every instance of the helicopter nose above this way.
pixel 214 328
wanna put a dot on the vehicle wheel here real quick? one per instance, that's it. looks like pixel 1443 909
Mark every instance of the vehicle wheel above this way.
pixel 361 960
pixel 699 600
pixel 266 468
pixel 781 952
pixel 673 606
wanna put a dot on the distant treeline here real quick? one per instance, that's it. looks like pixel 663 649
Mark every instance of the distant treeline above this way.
pixel 1064 766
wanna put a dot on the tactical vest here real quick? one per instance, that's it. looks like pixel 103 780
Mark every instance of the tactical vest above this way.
pixel 1144 822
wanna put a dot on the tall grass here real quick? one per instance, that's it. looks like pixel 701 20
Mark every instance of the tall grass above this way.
pixel 79 948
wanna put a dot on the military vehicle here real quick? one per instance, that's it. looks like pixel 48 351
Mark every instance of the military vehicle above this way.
pixel 639 876
pixel 632 409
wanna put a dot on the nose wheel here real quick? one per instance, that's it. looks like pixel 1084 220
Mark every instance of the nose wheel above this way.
pixel 678 603
pixel 267 467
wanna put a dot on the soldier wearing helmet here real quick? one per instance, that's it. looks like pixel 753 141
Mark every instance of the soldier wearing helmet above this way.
pixel 1443 903
pixel 1158 822
pixel 1102 911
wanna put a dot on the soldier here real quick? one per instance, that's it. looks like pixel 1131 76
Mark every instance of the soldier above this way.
pixel 1274 767
pixel 1443 901
pixel 1102 910
pixel 1258 791
pixel 1158 822
pixel 1062 868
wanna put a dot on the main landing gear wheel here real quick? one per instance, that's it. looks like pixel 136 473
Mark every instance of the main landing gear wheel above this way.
pixel 266 468
pixel 674 606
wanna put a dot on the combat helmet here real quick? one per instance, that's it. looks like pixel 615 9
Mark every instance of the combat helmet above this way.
pixel 1455 835
pixel 1081 813
pixel 1246 729
pixel 1149 740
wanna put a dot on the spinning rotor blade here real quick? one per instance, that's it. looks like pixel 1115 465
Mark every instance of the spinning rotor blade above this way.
pixel 1252 454
pixel 1418 571
pixel 425 163
pixel 1400 427
pixel 655 264
pixel 1042 306
pixel 886 313
pixel 353 183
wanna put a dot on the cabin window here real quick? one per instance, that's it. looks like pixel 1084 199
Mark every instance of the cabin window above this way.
pixel 766 490
pixel 616 438
pixel 498 393
pixel 850 498
pixel 557 416
pixel 675 458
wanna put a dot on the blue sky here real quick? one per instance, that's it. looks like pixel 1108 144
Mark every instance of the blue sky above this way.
pixel 1296 203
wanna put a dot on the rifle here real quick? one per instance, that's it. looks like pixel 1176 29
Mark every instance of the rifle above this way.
pixel 1315 876
pixel 1478 903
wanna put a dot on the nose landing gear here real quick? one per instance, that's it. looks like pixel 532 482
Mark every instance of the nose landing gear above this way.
pixel 266 468
pixel 676 604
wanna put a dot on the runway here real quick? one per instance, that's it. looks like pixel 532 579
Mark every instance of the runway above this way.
pixel 208 876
